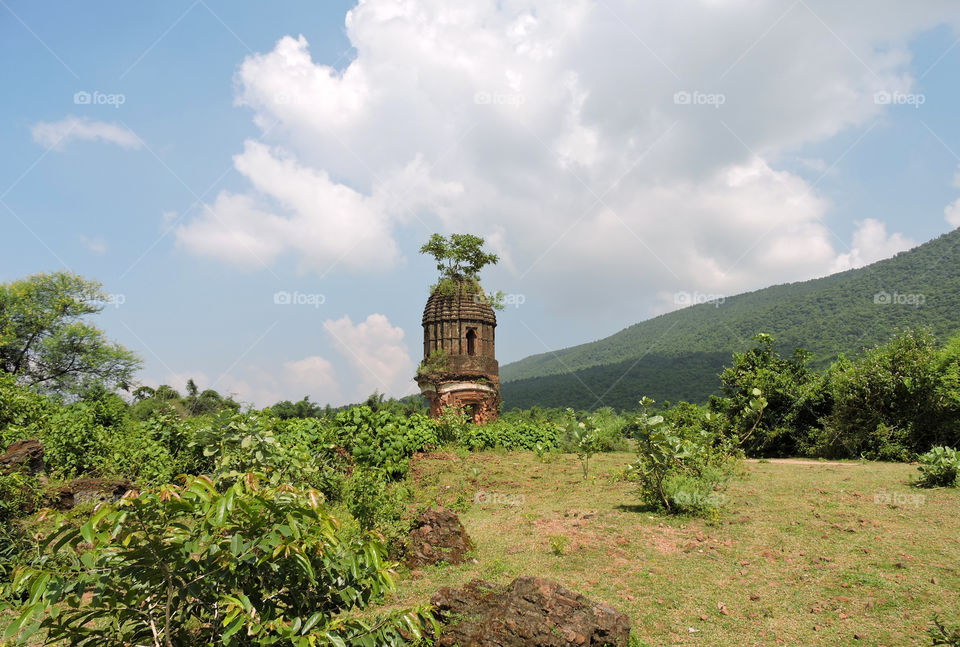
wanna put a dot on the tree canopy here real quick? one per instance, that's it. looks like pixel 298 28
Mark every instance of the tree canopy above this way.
pixel 460 257
pixel 45 342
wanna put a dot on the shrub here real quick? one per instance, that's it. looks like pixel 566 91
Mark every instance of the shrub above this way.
pixel 680 474
pixel 188 565
pixel 899 399
pixel 384 439
pixel 939 467
pixel 20 494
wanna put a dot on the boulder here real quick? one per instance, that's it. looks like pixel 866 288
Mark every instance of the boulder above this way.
pixel 437 536
pixel 23 455
pixel 530 612
pixel 87 490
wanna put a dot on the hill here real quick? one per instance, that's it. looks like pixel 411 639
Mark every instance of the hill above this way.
pixel 678 355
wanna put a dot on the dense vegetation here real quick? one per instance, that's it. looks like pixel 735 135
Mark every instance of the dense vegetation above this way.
pixel 281 525
pixel 677 356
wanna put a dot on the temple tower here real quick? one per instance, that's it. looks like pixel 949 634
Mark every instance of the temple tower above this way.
pixel 459 365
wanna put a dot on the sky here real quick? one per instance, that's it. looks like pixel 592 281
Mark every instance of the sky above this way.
pixel 251 181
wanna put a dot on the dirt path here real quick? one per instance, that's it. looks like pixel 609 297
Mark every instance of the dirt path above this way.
pixel 801 461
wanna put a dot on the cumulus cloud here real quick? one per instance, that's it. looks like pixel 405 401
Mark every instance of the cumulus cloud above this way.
pixel 312 376
pixel 373 352
pixel 628 144
pixel 57 134
pixel 376 351
pixel 870 244
pixel 952 213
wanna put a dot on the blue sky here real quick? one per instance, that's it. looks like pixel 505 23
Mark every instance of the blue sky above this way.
pixel 232 151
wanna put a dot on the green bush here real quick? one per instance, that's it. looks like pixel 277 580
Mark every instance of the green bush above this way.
pixel 678 474
pixel 898 400
pixel 190 565
pixel 384 439
pixel 20 494
pixel 939 467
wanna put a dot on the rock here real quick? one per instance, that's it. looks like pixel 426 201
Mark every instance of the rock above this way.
pixel 530 612
pixel 23 455
pixel 437 536
pixel 87 490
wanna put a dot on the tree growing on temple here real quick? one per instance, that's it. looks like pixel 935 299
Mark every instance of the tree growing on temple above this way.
pixel 460 257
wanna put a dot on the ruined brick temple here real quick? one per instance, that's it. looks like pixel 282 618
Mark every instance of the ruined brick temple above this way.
pixel 459 366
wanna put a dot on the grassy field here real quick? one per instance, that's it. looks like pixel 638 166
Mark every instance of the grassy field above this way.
pixel 803 555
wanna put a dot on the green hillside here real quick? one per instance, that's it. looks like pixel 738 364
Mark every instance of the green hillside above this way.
pixel 678 355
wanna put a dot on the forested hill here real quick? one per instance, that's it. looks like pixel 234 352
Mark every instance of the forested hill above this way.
pixel 678 355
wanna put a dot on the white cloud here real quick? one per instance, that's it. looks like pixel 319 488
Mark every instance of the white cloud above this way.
pixel 952 213
pixel 301 210
pixel 313 376
pixel 96 245
pixel 870 244
pixel 552 129
pixel 58 134
pixel 375 350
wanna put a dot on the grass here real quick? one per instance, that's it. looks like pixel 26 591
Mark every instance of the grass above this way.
pixel 803 553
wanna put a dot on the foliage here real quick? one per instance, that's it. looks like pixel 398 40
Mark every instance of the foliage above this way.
pixel 944 634
pixel 377 504
pixel 677 473
pixel 452 426
pixel 459 257
pixel 300 409
pixel 45 342
pixel 167 400
pixel 384 439
pixel 189 565
pixel 830 316
pixel 793 403
pixel 19 408
pixel 558 545
pixel 901 398
pixel 512 434
pixel 234 444
pixel 587 443
pixel 20 494
pixel 940 467
pixel 435 362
